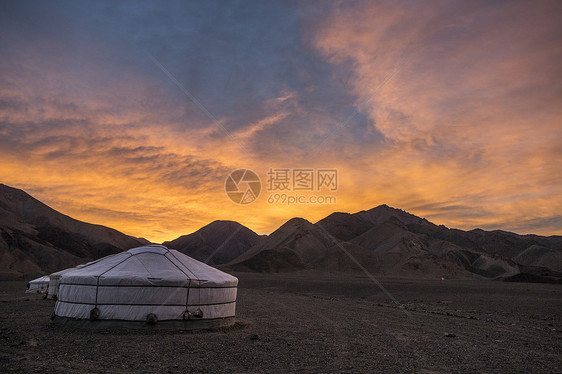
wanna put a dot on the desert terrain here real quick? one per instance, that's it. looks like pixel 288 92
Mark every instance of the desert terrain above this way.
pixel 307 322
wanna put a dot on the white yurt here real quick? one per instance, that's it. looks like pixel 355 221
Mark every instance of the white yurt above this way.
pixel 150 283
pixel 54 281
pixel 39 285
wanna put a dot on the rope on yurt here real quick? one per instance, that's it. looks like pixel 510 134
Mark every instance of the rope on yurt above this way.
pixel 187 314
pixel 95 313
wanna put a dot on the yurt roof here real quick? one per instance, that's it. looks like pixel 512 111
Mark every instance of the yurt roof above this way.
pixel 43 279
pixel 149 265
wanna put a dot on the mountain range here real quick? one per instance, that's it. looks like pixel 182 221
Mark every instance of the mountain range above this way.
pixel 217 243
pixel 35 239
pixel 392 242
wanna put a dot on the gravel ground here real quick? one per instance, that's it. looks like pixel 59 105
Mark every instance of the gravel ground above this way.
pixel 311 323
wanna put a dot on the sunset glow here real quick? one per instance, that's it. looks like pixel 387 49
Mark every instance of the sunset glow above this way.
pixel 449 110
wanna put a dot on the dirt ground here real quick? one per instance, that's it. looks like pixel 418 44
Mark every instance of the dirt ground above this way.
pixel 311 323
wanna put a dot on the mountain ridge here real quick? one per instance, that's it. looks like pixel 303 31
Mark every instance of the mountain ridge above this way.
pixel 401 242
pixel 36 239
pixel 217 242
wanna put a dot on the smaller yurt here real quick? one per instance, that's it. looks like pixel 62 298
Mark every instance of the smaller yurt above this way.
pixel 148 284
pixel 39 285
pixel 54 281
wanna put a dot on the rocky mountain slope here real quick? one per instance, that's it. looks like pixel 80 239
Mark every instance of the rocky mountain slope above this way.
pixel 217 243
pixel 295 245
pixel 391 241
pixel 36 239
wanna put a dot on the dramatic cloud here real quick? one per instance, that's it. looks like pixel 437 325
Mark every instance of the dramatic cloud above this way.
pixel 132 114
pixel 468 97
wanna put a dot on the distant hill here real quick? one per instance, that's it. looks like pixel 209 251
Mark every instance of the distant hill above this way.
pixel 36 239
pixel 394 242
pixel 217 243
pixel 295 245
pixel 384 248
pixel 384 213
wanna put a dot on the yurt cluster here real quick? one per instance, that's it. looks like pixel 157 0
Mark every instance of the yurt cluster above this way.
pixel 150 284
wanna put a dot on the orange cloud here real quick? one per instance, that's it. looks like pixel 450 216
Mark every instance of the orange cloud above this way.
pixel 466 100
pixel 448 111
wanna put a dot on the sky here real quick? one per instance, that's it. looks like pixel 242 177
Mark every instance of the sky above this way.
pixel 133 114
